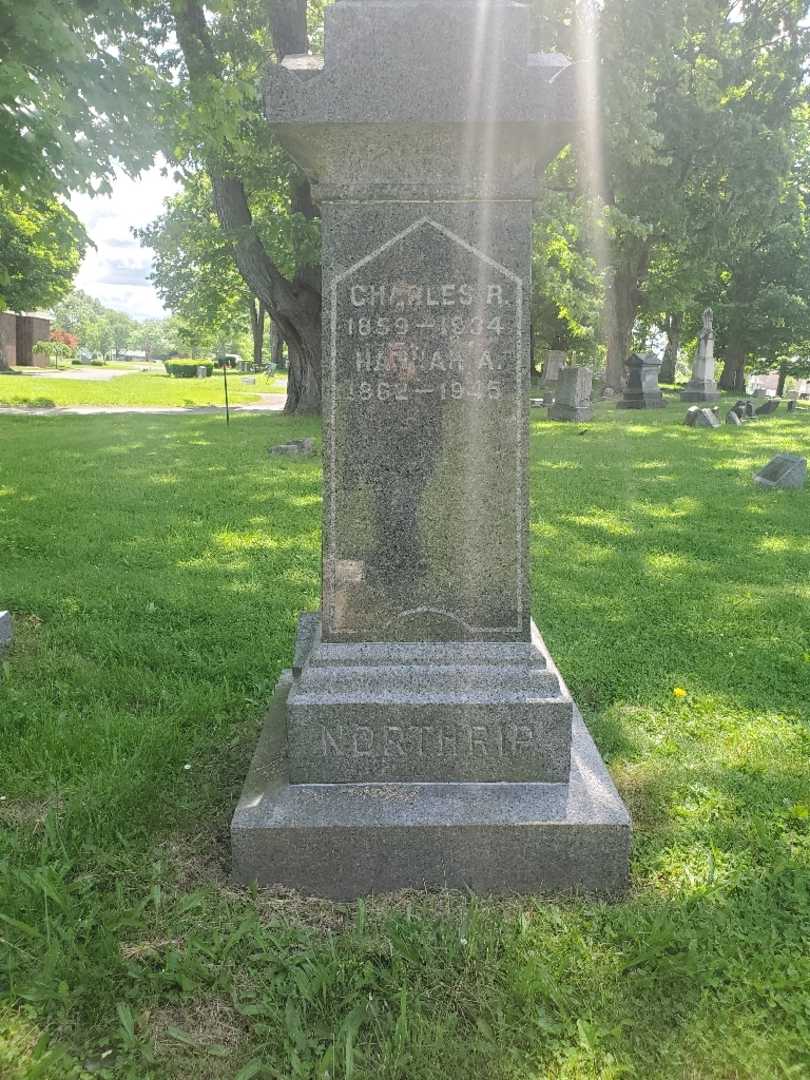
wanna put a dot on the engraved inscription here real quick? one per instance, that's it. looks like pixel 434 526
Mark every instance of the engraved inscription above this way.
pixel 425 494
pixel 419 741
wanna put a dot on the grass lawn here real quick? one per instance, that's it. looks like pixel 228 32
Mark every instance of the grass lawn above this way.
pixel 135 389
pixel 155 566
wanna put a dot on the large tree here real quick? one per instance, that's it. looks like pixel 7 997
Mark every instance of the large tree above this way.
pixel 41 247
pixel 212 118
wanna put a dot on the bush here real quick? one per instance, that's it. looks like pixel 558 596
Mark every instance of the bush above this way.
pixel 76 363
pixel 97 363
pixel 187 369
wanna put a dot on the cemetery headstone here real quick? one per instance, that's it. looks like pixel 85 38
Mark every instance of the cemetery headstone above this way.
pixel 760 392
pixel 641 390
pixel 424 736
pixel 6 631
pixel 573 397
pixel 791 405
pixel 733 418
pixel 706 418
pixel 702 387
pixel 783 471
pixel 743 408
pixel 550 375
pixel 691 415
pixel 202 371
pixel 770 406
pixel 294 447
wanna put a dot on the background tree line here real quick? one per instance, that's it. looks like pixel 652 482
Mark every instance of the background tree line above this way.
pixel 686 185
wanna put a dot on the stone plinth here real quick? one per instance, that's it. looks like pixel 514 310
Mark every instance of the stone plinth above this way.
pixel 573 397
pixel 641 390
pixel 424 737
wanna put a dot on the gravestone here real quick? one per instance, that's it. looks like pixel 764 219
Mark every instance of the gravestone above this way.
pixel 733 418
pixel 743 408
pixel 573 397
pixel 770 406
pixel 552 368
pixel 691 415
pixel 702 387
pixel 202 371
pixel 706 418
pixel 783 471
pixel 791 405
pixel 424 736
pixel 641 389
pixel 6 631
pixel 760 392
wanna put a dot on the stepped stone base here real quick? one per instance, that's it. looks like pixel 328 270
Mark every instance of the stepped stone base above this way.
pixel 344 840
pixel 700 391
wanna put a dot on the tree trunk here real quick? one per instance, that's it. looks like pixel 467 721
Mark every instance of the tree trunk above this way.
pixel 303 392
pixel 257 331
pixel 672 324
pixel 733 377
pixel 622 297
pixel 294 306
pixel 276 347
pixel 783 374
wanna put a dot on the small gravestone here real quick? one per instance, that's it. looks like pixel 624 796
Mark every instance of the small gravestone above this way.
pixel 6 631
pixel 295 447
pixel 743 408
pixel 549 377
pixel 760 392
pixel 202 372
pixel 791 405
pixel 702 387
pixel 691 415
pixel 248 380
pixel 641 390
pixel 707 418
pixel 537 402
pixel 770 406
pixel 573 397
pixel 783 471
pixel 733 418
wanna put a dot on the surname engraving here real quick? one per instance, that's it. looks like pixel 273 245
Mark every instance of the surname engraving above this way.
pixel 416 741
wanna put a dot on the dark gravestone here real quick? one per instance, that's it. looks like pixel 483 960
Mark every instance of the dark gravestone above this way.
pixel 733 418
pixel 691 415
pixel 770 406
pixel 641 390
pixel 783 471
pixel 744 409
pixel 424 736
pixel 791 405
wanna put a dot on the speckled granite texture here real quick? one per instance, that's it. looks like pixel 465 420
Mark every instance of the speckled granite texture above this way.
pixel 424 736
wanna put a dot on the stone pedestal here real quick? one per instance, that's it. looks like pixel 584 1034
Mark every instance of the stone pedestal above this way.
pixel 641 390
pixel 552 368
pixel 424 736
pixel 573 398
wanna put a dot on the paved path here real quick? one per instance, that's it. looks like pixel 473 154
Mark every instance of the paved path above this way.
pixel 268 403
pixel 78 374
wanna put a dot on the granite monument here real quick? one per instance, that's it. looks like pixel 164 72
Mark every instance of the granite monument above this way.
pixel 641 391
pixel 702 387
pixel 424 736
pixel 783 471
pixel 572 400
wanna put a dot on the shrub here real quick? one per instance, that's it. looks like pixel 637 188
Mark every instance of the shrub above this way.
pixel 187 369
pixel 97 363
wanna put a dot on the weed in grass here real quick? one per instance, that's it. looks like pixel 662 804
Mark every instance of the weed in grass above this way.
pixel 155 567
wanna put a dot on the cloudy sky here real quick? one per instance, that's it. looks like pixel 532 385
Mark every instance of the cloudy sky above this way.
pixel 115 272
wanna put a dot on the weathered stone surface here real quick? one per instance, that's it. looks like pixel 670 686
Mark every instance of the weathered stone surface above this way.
pixel 552 368
pixel 573 395
pixel 427 737
pixel 702 387
pixel 202 371
pixel 733 418
pixel 430 711
pixel 791 405
pixel 760 392
pixel 691 416
pixel 6 630
pixel 743 408
pixel 770 406
pixel 783 471
pixel 706 418
pixel 345 840
pixel 296 447
pixel 641 390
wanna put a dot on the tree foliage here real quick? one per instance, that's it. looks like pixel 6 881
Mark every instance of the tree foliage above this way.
pixel 42 244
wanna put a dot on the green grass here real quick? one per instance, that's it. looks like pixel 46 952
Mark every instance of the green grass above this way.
pixel 155 566
pixel 136 389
